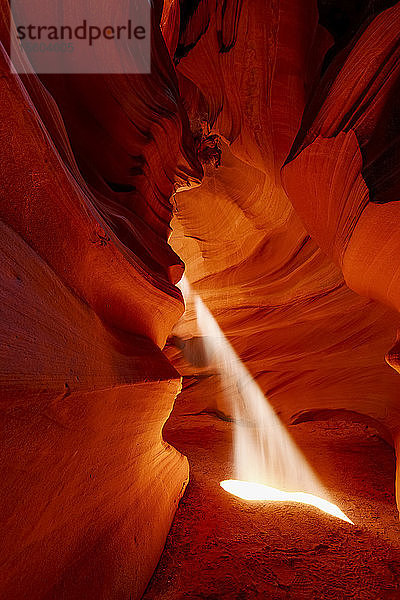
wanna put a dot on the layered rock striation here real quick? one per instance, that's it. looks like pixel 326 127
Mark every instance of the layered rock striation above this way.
pixel 266 140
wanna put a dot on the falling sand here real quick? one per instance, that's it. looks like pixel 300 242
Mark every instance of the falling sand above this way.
pixel 268 464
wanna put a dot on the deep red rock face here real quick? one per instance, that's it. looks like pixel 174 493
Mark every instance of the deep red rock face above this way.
pixel 89 488
pixel 252 550
pixel 272 129
pixel 271 280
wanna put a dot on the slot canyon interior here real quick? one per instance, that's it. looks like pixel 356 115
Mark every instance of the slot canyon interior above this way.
pixel 200 296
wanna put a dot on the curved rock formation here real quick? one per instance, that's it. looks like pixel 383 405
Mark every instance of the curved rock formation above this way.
pixel 89 487
pixel 266 139
pixel 84 467
pixel 278 287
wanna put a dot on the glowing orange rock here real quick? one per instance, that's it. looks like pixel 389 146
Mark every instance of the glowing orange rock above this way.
pixel 89 488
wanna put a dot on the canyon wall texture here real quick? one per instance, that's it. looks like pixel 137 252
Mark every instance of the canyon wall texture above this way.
pixel 302 210
pixel 266 139
pixel 89 487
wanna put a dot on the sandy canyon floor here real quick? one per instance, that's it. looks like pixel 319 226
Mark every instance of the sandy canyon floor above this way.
pixel 221 547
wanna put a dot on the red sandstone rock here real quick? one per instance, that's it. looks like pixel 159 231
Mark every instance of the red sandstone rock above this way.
pixel 276 293
pixel 89 487
pixel 296 207
pixel 83 465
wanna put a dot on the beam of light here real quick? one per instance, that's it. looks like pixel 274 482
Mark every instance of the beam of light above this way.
pixel 264 453
pixel 257 491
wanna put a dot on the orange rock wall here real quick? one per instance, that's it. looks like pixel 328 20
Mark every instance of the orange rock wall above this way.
pixel 301 211
pixel 272 144
pixel 89 487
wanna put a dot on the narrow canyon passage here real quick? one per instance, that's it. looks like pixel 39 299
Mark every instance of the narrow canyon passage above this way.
pixel 222 548
pixel 199 263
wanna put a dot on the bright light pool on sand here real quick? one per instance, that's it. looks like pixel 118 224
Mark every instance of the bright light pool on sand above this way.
pixel 260 492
